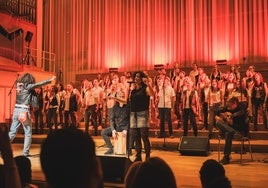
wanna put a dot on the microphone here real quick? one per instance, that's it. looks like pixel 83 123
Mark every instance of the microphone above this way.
pixel 131 82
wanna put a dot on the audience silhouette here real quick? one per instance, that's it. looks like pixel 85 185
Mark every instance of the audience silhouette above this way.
pixel 154 172
pixel 25 171
pixel 212 174
pixel 9 174
pixel 68 160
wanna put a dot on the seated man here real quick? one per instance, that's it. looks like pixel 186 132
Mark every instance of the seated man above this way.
pixel 119 122
pixel 231 119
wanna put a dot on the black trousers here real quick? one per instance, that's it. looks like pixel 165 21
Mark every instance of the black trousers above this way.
pixel 189 114
pixel 228 133
pixel 165 115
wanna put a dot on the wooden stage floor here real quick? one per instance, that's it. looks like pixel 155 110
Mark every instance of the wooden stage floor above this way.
pixel 186 168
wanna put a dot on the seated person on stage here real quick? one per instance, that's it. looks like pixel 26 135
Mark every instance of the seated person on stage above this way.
pixel 119 121
pixel 231 119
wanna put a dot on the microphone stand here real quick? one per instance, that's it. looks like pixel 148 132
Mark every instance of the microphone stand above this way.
pixel 10 97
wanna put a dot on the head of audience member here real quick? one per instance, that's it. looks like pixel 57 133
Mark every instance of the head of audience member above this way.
pixel 154 172
pixel 25 169
pixel 131 173
pixel 212 174
pixel 2 175
pixel 68 160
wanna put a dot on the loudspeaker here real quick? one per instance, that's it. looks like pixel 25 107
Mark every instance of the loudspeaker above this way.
pixel 193 145
pixel 29 36
pixel 114 168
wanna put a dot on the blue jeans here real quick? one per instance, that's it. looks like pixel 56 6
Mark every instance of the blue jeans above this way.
pixel 106 134
pixel 27 127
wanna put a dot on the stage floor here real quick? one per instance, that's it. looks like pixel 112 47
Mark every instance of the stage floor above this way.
pixel 185 168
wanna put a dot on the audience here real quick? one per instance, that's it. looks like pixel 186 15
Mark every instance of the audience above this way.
pixel 68 160
pixel 2 176
pixel 25 171
pixel 131 173
pixel 9 169
pixel 212 174
pixel 154 172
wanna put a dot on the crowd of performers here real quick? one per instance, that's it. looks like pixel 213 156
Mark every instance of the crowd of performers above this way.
pixel 193 97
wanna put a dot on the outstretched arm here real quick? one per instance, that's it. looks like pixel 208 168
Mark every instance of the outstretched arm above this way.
pixel 39 84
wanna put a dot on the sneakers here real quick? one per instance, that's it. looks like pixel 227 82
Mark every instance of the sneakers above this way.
pixel 109 151
pixel 225 161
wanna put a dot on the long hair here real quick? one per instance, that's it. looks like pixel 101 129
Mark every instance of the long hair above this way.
pixel 142 75
pixel 27 78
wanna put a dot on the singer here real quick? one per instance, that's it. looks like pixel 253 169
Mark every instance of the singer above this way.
pixel 139 113
pixel 166 95
pixel 21 114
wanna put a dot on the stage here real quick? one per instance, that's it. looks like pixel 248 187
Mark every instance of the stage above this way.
pixel 186 168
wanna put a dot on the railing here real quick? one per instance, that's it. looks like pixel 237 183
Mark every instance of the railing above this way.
pixel 48 59
pixel 24 9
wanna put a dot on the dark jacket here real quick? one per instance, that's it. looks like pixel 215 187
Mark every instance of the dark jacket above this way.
pixel 23 95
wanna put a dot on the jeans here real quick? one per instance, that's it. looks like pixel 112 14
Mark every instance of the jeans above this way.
pixel 27 127
pixel 52 116
pixel 66 119
pixel 90 113
pixel 106 134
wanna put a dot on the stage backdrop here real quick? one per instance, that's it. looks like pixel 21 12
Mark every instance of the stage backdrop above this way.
pixel 92 36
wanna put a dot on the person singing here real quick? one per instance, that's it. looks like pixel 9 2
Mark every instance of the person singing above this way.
pixel 139 113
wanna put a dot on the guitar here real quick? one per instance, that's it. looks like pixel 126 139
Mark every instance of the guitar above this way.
pixel 228 116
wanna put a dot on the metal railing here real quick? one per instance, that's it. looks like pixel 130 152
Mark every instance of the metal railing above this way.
pixel 48 59
pixel 24 9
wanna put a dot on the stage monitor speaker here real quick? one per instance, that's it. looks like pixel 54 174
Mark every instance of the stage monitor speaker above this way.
pixel 193 145
pixel 114 168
